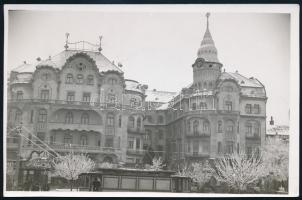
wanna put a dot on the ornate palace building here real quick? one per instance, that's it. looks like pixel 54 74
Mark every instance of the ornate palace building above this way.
pixel 79 100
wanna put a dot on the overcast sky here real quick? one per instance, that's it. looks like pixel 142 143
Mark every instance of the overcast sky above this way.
pixel 158 49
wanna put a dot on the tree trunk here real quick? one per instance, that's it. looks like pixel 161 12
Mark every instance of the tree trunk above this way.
pixel 71 184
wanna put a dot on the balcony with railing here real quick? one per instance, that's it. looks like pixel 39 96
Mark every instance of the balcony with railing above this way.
pixel 136 151
pixel 253 136
pixel 199 134
pixel 135 130
pixel 197 154
pixel 74 126
pixel 84 104
pixel 230 136
pixel 75 148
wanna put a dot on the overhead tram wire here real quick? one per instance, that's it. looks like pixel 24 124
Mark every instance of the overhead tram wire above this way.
pixel 41 141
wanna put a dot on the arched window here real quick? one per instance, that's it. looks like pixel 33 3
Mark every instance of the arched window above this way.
pixel 90 80
pixel 195 127
pixel 230 126
pixel 219 150
pixel 18 116
pixel 219 126
pixel 69 78
pixel 111 98
pixel 131 122
pixel 42 116
pixel 69 118
pixel 138 122
pixel 67 138
pixel 83 140
pixel 160 119
pixel 110 120
pixel 189 126
pixel 19 95
pixel 80 79
pixel 85 118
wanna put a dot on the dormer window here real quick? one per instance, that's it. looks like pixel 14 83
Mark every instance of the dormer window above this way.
pixel 69 79
pixel 90 80
pixel 80 79
pixel 45 76
pixel 112 81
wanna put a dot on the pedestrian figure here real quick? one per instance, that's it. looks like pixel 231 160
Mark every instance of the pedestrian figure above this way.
pixel 96 185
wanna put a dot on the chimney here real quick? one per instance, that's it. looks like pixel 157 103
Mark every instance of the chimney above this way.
pixel 271 122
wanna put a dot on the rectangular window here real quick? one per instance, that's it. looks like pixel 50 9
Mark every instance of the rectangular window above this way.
pixel 228 105
pixel 138 143
pixel 130 144
pixel 52 139
pixel 41 136
pixel 86 97
pixel 230 147
pixel 249 129
pixel 109 142
pixel 248 108
pixel 31 116
pixel 70 96
pixel 256 109
pixel 44 95
pixel 19 95
pixel 195 146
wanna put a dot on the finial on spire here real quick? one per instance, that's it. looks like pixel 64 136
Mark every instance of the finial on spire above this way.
pixel 66 43
pixel 100 48
pixel 208 15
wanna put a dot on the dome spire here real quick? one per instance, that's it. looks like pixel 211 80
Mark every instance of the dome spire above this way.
pixel 208 15
pixel 207 48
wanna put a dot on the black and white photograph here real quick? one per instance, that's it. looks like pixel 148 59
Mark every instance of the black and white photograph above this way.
pixel 151 100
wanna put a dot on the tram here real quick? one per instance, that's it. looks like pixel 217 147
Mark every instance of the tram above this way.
pixel 134 180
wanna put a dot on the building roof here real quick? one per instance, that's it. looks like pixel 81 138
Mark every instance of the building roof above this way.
pixel 133 85
pixel 23 77
pixel 58 61
pixel 278 130
pixel 241 80
pixel 159 96
pixel 103 63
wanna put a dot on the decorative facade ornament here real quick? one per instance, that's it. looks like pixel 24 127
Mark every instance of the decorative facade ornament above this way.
pixel 66 43
pixel 100 48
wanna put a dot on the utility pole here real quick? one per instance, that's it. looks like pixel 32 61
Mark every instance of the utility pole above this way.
pixel 18 131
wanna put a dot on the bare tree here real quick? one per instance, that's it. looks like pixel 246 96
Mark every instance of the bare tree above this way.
pixel 71 166
pixel 157 164
pixel 199 172
pixel 239 171
pixel 276 157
